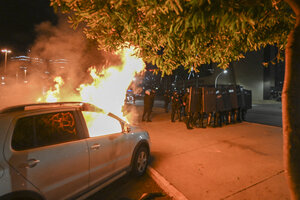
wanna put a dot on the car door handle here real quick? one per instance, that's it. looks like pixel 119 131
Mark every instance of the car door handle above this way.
pixel 95 146
pixel 32 163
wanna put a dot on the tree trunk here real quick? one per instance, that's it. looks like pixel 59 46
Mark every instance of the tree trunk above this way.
pixel 291 106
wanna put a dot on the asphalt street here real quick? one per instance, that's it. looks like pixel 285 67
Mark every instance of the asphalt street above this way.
pixel 238 161
pixel 265 113
pixel 131 188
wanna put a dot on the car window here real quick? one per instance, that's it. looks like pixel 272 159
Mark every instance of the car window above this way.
pixel 23 136
pixel 101 124
pixel 42 130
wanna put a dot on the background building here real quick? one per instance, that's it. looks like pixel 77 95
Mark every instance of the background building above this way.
pixel 259 72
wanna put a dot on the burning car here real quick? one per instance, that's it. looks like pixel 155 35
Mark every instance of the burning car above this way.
pixel 66 150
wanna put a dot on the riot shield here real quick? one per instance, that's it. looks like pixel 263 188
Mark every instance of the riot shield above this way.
pixel 240 97
pixel 226 99
pixel 248 99
pixel 195 99
pixel 233 97
pixel 208 99
pixel 219 101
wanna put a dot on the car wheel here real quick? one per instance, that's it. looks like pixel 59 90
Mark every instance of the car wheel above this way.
pixel 140 161
pixel 22 195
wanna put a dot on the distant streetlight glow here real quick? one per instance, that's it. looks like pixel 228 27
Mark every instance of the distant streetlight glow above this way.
pixel 2 80
pixel 5 51
pixel 216 81
pixel 25 75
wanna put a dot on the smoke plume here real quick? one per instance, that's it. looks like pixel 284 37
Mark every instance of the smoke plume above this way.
pixel 58 51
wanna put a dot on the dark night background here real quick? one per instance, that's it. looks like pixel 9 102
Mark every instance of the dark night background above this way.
pixel 18 19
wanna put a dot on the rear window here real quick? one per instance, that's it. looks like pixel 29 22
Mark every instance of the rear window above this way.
pixel 43 130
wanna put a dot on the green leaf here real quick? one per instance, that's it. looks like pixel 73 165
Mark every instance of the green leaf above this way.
pixel 192 32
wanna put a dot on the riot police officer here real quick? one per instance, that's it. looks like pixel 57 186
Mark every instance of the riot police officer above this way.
pixel 167 100
pixel 175 106
pixel 147 106
pixel 189 114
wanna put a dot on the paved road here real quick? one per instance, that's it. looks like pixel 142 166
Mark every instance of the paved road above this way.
pixel 130 188
pixel 268 114
pixel 237 161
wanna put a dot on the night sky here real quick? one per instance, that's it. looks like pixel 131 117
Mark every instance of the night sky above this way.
pixel 18 19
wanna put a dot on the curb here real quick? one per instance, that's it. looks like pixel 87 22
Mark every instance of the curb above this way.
pixel 262 124
pixel 165 185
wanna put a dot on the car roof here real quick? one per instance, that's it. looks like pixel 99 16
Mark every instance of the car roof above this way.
pixel 46 106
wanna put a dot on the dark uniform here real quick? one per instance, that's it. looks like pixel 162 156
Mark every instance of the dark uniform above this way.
pixel 147 106
pixel 182 107
pixel 199 119
pixel 167 100
pixel 219 116
pixel 185 102
pixel 175 106
pixel 152 97
pixel 189 114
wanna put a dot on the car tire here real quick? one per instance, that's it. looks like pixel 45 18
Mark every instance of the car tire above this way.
pixel 140 162
pixel 22 195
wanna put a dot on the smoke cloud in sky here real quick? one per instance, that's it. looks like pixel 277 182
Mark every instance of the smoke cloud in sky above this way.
pixel 58 51
pixel 61 42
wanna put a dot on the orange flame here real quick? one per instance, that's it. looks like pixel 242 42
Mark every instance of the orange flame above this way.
pixel 101 124
pixel 109 88
pixel 52 95
pixel 107 91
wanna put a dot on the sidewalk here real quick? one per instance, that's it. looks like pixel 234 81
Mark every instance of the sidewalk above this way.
pixel 238 161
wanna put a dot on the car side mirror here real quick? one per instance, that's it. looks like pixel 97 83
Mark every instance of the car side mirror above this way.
pixel 126 128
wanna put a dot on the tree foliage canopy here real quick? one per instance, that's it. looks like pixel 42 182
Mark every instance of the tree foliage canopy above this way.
pixel 188 32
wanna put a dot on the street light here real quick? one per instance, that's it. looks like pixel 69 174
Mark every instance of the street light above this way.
pixel 6 51
pixel 216 81
pixel 25 73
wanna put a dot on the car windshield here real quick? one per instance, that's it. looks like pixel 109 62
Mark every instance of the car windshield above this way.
pixel 101 124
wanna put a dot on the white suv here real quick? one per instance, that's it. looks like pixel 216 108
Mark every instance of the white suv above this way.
pixel 57 151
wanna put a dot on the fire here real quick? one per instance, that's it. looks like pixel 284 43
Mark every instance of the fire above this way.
pixel 101 124
pixel 109 88
pixel 107 91
pixel 52 95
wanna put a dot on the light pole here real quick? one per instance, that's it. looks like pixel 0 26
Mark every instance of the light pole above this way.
pixel 25 75
pixel 6 51
pixel 216 81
